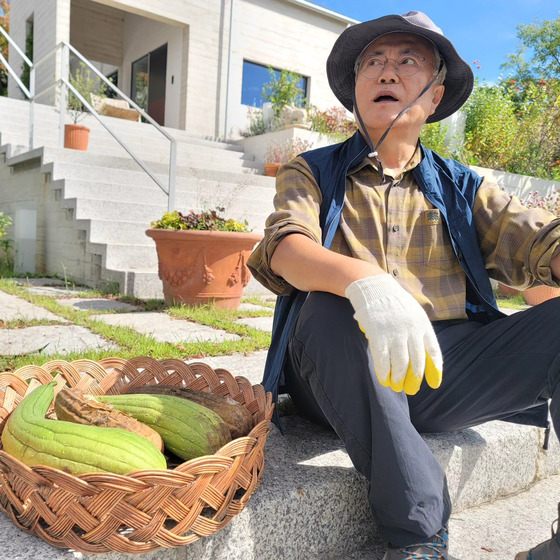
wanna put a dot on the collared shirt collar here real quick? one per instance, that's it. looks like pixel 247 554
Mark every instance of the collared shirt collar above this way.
pixel 414 161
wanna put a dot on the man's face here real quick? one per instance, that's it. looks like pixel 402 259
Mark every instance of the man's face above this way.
pixel 382 91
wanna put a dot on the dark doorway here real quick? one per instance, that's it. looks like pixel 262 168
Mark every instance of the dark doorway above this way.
pixel 148 83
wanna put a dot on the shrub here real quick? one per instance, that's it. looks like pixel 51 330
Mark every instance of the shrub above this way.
pixel 491 128
pixel 287 151
pixel 6 264
pixel 333 121
pixel 550 202
pixel 433 136
pixel 515 127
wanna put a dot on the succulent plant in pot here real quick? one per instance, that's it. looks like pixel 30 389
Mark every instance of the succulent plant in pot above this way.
pixel 202 257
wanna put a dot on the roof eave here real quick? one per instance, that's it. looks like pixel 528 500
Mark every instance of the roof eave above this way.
pixel 323 11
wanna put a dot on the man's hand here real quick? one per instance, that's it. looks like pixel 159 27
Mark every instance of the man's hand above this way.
pixel 401 339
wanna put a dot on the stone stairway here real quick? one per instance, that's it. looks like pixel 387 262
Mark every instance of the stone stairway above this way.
pixel 93 207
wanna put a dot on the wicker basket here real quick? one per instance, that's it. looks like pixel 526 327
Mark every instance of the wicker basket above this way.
pixel 104 512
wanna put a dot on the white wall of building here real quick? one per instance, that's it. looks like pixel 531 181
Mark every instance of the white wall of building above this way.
pixel 141 36
pixel 205 73
pixel 285 36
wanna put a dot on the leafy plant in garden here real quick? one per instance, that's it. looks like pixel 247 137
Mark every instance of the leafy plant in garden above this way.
pixel 207 220
pixel 332 121
pixel 286 151
pixel 257 124
pixel 5 241
pixel 491 128
pixel 550 202
pixel 5 23
pixel 515 127
pixel 283 89
pixel 433 136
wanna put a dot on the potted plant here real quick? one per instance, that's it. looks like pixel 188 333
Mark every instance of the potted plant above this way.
pixel 283 90
pixel 202 257
pixel 550 202
pixel 76 136
pixel 279 153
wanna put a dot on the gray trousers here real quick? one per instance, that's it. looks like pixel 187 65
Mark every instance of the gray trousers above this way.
pixel 490 372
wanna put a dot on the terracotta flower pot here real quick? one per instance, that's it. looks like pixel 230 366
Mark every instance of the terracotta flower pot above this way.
pixel 539 294
pixel 271 169
pixel 203 267
pixel 76 137
pixel 506 290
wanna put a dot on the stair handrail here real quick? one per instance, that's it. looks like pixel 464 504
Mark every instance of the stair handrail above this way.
pixel 65 84
pixel 27 92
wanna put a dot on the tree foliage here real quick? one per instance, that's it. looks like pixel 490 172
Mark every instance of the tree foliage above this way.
pixel 5 23
pixel 541 40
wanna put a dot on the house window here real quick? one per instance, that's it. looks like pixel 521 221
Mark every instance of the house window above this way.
pixel 255 76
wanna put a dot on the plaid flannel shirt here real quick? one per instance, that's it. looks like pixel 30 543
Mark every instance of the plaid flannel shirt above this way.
pixel 389 222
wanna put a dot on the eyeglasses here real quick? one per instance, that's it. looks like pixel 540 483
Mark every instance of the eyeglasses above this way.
pixel 405 66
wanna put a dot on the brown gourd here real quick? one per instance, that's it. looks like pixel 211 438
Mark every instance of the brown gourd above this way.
pixel 72 405
pixel 237 418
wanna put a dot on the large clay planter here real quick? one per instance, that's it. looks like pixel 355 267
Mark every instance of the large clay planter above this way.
pixel 539 294
pixel 203 267
pixel 506 290
pixel 76 137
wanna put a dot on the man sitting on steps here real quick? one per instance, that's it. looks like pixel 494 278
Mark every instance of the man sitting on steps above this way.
pixel 382 253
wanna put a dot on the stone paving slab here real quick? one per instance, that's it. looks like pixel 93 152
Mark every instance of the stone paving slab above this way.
pixel 13 308
pixel 496 531
pixel 97 304
pixel 51 339
pixel 250 366
pixel 50 287
pixel 54 291
pixel 40 281
pixel 165 329
pixel 253 307
pixel 261 323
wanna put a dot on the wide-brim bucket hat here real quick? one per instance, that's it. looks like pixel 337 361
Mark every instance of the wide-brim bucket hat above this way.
pixel 459 79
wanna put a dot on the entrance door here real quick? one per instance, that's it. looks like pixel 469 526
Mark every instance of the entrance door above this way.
pixel 148 83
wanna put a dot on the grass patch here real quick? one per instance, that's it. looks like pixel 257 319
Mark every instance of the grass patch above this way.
pixel 516 301
pixel 131 343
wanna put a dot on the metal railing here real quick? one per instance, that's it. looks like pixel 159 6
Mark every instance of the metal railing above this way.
pixel 65 84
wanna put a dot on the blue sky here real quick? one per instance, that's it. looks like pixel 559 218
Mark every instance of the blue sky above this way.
pixel 483 30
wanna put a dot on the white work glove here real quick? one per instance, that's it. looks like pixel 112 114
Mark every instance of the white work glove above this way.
pixel 401 338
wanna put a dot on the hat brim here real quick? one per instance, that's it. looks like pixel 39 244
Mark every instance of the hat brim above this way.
pixel 458 82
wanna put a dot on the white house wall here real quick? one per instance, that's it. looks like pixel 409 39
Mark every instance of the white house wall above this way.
pixel 272 32
pixel 97 31
pixel 284 36
pixel 141 36
pixel 279 33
